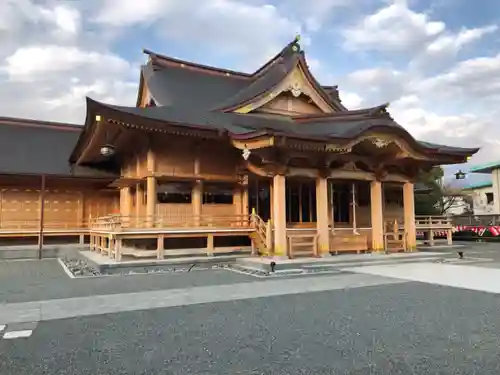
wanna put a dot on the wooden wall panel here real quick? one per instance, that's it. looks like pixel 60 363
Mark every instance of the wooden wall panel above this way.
pixel 219 160
pixel 97 204
pixel 19 205
pixel 218 209
pixel 63 208
pixel 174 210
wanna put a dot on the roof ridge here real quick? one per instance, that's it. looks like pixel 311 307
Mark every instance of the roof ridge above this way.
pixel 156 57
pixel 279 70
pixel 16 121
pixel 287 49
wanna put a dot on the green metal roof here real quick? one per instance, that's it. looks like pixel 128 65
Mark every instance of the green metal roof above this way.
pixel 486 168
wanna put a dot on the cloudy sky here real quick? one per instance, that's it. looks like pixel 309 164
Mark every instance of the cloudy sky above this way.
pixel 436 61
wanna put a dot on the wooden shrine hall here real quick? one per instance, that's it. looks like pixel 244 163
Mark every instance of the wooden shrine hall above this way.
pixel 213 161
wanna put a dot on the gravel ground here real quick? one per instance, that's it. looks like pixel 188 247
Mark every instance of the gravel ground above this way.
pixel 23 281
pixel 410 329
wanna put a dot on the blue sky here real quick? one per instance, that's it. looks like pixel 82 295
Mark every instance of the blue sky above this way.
pixel 436 61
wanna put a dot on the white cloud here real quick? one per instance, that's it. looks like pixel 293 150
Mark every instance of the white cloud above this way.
pixel 250 28
pixel 351 100
pixel 67 19
pixel 17 14
pixel 49 63
pixel 32 62
pixel 393 28
pixel 473 80
pixel 125 13
pixel 453 43
pixel 398 29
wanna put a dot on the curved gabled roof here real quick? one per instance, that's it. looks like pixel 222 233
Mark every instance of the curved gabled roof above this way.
pixel 177 82
pixel 241 126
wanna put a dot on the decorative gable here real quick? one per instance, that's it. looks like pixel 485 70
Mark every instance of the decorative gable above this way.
pixel 296 89
pixel 287 103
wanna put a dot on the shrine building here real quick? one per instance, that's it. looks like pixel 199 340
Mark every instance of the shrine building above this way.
pixel 213 161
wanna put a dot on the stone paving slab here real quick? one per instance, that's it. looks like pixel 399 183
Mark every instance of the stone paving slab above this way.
pixel 33 280
pixel 397 329
pixel 455 275
pixel 104 304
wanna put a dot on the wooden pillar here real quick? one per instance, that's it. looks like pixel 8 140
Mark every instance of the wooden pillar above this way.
pixel 110 247
pixel 41 216
pixel 377 216
pixel 210 245
pixel 409 216
pixel 245 211
pixel 151 200
pixel 160 250
pixel 322 216
pixel 244 198
pixel 118 249
pixel 138 202
pixel 125 201
pixel 197 202
pixel 279 215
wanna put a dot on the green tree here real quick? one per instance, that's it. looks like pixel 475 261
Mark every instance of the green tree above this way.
pixel 428 201
pixel 437 198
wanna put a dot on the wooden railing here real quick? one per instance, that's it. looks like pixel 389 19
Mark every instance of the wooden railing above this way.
pixel 468 219
pixel 118 222
pixel 434 222
pixel 264 234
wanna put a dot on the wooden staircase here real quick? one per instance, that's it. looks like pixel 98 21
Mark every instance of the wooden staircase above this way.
pixel 262 238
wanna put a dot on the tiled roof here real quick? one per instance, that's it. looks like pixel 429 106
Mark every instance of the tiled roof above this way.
pixel 244 125
pixel 39 147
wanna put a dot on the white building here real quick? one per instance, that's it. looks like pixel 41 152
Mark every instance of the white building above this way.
pixel 488 196
pixel 483 198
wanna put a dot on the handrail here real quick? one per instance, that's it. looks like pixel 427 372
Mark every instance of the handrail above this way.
pixel 264 231
pixel 433 221
pixel 118 222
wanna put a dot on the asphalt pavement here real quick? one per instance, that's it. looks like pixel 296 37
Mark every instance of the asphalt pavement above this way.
pixel 407 328
pixel 219 322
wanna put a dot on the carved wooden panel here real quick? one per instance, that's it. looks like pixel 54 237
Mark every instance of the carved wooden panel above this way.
pixel 287 103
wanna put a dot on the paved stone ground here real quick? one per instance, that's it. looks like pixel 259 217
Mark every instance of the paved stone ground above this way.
pixel 408 328
pixel 379 327
pixel 22 281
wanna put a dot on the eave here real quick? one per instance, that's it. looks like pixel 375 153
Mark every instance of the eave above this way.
pixel 377 128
